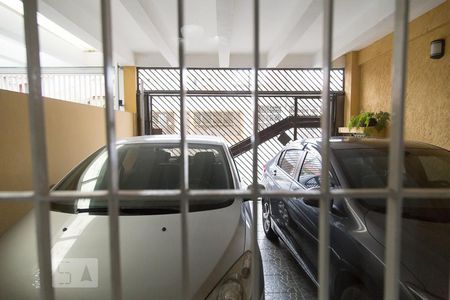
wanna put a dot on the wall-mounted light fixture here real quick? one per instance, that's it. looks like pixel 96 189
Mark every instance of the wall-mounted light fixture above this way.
pixel 437 48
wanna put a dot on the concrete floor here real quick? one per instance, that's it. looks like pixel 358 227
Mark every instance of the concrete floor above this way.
pixel 283 277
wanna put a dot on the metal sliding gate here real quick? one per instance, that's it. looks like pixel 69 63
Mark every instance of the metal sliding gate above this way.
pixel 219 103
pixel 41 197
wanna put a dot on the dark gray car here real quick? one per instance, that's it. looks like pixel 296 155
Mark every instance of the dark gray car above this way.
pixel 357 232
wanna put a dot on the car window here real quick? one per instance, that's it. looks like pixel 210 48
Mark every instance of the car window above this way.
pixel 368 168
pixel 150 166
pixel 436 170
pixel 289 160
pixel 423 168
pixel 310 173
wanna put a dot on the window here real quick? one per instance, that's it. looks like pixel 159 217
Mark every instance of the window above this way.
pixel 289 160
pixel 310 173
pixel 368 168
pixel 149 166
pixel 153 166
pixel 424 168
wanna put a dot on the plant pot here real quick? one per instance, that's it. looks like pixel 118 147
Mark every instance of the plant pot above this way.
pixel 370 131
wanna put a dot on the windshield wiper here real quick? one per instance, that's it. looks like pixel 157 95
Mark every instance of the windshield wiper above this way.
pixel 131 210
pixel 149 210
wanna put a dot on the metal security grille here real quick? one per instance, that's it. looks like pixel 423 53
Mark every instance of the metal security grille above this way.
pixel 230 118
pixel 41 196
pixel 206 80
pixel 219 103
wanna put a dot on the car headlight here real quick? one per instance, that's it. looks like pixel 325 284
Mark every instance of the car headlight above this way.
pixel 237 283
pixel 418 293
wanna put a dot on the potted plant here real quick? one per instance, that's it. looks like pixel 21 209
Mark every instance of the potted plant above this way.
pixel 369 123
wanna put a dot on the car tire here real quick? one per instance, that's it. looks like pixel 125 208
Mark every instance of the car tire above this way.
pixel 267 222
pixel 355 292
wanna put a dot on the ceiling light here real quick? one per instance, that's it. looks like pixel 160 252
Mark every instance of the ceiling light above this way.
pixel 49 25
pixel 192 31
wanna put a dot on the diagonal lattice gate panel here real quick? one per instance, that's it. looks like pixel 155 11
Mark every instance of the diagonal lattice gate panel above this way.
pixel 230 118
pixel 219 103
pixel 166 80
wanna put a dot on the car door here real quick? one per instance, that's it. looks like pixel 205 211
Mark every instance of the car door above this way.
pixel 269 175
pixel 286 169
pixel 303 224
pixel 284 174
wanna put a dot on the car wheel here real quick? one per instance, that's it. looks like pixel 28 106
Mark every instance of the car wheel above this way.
pixel 267 222
pixel 355 292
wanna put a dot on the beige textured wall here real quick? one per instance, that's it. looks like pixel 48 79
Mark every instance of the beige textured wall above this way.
pixel 73 132
pixel 427 114
pixel 352 85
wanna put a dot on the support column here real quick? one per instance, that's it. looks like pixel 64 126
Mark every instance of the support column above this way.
pixel 352 86
pixel 129 86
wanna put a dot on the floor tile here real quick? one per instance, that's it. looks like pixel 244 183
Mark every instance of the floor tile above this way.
pixel 283 278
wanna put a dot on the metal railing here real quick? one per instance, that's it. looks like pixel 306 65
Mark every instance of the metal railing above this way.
pixel 80 85
pixel 41 197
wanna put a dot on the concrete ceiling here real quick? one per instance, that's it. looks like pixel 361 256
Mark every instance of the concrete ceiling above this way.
pixel 217 32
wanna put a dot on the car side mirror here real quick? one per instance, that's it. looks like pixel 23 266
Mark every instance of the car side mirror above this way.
pixel 250 187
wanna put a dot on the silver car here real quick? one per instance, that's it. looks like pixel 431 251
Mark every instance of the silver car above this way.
pixel 150 231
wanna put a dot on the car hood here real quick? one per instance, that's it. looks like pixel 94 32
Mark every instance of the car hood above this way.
pixel 425 250
pixel 150 247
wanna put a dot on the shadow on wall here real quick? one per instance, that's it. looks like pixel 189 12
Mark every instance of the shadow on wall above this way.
pixel 73 132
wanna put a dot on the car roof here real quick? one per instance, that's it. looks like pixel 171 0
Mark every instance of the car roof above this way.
pixel 359 143
pixel 166 138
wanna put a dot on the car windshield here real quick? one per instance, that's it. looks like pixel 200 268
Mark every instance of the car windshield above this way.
pixel 423 168
pixel 151 167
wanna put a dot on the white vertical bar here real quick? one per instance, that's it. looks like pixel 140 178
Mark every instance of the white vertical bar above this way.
pixel 43 85
pixel 57 87
pixel 102 88
pixel 396 148
pixel 116 103
pixel 89 87
pixel 51 86
pixel 64 87
pixel 38 150
pixel 86 88
pixel 82 89
pixel 78 88
pixel 184 175
pixel 255 143
pixel 71 88
pixel 324 211
pixel 141 107
pixel 113 184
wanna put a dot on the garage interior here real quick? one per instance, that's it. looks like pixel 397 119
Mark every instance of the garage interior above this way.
pixel 218 37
